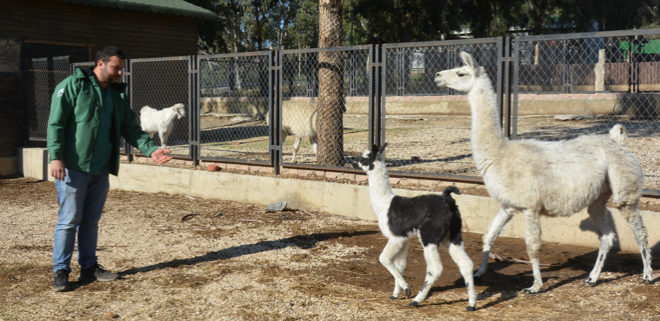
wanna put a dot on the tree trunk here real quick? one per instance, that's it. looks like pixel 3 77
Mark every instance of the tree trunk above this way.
pixel 331 107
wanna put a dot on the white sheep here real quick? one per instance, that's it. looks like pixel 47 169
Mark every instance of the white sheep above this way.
pixel 298 120
pixel 435 219
pixel 553 178
pixel 161 121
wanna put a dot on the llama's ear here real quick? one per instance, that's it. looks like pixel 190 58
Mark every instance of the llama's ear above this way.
pixel 374 149
pixel 381 152
pixel 467 59
pixel 480 71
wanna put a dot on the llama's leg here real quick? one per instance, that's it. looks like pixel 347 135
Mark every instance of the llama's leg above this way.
pixel 312 140
pixel 400 261
pixel 393 247
pixel 296 145
pixel 631 213
pixel 465 265
pixel 533 242
pixel 602 218
pixel 501 219
pixel 285 134
pixel 433 271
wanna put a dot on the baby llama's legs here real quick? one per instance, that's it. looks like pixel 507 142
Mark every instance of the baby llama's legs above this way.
pixel 465 265
pixel 400 261
pixel 631 213
pixel 501 219
pixel 601 217
pixel 433 271
pixel 533 242
pixel 393 247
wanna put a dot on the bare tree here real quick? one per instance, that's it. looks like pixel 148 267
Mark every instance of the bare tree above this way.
pixel 331 94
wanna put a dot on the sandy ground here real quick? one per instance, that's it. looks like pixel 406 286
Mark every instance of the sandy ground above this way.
pixel 185 258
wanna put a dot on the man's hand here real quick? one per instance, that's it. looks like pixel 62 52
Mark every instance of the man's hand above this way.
pixel 159 155
pixel 58 169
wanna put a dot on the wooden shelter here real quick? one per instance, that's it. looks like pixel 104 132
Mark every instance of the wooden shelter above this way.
pixel 77 29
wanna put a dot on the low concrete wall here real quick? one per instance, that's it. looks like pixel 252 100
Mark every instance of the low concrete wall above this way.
pixel 33 162
pixel 346 199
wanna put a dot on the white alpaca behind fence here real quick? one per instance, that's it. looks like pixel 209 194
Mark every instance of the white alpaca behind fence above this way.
pixel 435 219
pixel 553 178
pixel 161 121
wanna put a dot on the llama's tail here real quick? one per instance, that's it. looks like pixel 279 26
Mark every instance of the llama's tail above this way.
pixel 447 195
pixel 456 225
pixel 450 189
pixel 618 134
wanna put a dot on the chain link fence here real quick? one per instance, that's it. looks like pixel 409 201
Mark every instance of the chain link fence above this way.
pixel 427 127
pixel 570 85
pixel 41 77
pixel 161 83
pixel 234 91
pixel 320 88
pixel 346 98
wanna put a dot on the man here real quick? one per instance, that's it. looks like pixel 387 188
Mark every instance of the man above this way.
pixel 88 115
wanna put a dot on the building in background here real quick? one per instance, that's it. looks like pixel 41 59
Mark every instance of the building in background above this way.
pixel 32 32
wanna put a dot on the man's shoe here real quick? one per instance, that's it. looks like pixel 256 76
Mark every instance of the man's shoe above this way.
pixel 98 273
pixel 61 282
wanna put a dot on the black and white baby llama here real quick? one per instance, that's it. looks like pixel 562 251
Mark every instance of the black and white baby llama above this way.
pixel 433 218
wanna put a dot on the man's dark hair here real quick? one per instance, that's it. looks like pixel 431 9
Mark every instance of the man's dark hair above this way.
pixel 109 51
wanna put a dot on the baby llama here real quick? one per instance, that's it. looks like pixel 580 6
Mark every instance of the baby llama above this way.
pixel 433 218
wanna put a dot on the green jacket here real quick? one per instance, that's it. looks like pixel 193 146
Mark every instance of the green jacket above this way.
pixel 75 114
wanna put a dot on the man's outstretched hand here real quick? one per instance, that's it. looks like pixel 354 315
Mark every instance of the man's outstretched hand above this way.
pixel 159 155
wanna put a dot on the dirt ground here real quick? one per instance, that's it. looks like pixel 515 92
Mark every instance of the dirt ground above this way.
pixel 185 258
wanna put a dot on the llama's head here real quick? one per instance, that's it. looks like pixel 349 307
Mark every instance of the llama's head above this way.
pixel 461 78
pixel 369 157
pixel 180 110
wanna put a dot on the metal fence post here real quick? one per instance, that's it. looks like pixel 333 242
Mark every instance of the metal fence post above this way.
pixel 633 66
pixel 504 88
pixel 193 102
pixel 275 109
pixel 516 79
pixel 127 79
pixel 376 112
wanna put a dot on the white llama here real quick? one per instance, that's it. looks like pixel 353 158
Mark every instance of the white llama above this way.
pixel 433 218
pixel 553 178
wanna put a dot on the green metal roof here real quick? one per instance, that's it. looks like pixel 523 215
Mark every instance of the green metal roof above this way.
pixel 173 7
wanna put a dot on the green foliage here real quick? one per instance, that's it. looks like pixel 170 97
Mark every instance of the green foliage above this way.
pixel 370 21
pixel 250 25
pixel 304 32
